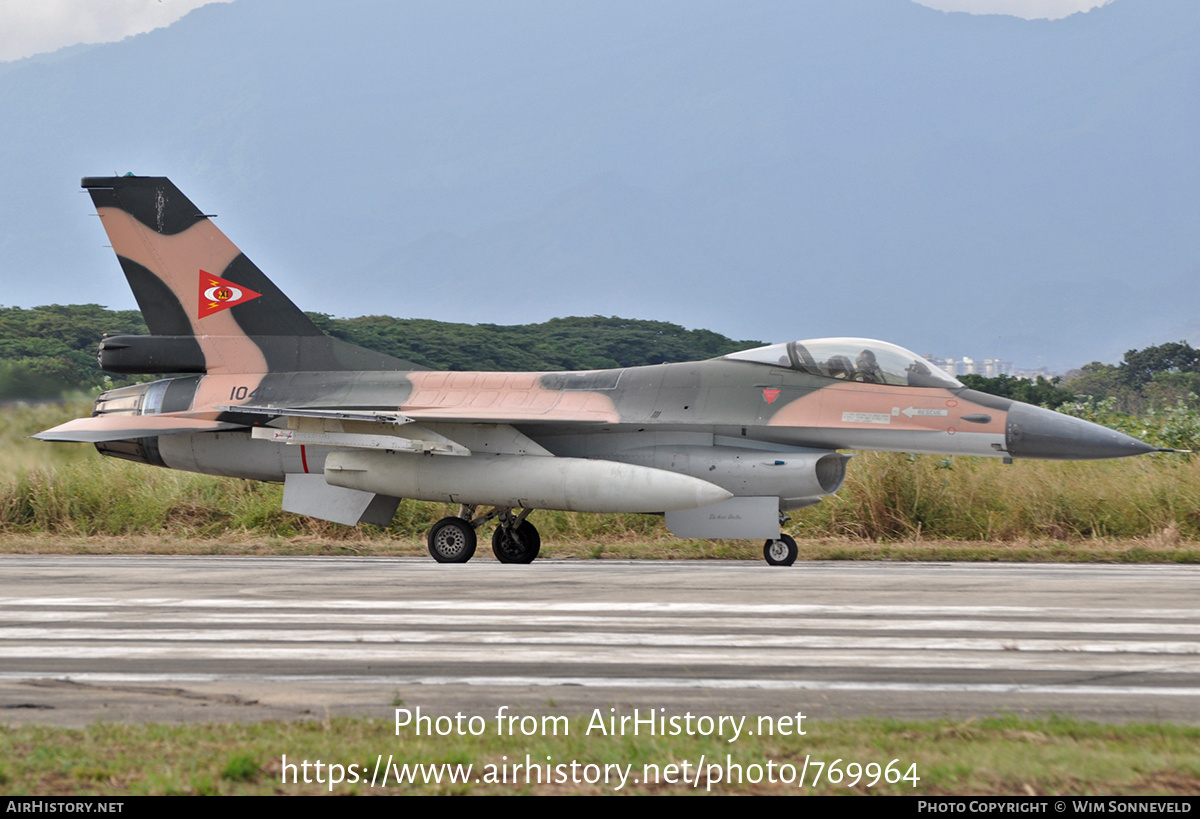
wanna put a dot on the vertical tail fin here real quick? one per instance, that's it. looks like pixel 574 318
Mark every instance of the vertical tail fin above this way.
pixel 172 254
pixel 194 285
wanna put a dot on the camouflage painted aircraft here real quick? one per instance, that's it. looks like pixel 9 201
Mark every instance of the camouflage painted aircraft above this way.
pixel 723 448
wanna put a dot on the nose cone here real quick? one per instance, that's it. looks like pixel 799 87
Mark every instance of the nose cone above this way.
pixel 1034 432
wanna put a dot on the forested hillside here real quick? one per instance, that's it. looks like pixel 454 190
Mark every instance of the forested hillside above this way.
pixel 46 352
pixel 780 169
pixel 574 343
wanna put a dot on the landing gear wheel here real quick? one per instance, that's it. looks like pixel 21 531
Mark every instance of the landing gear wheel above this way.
pixel 781 552
pixel 516 545
pixel 452 540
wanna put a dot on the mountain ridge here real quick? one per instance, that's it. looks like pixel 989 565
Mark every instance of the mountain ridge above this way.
pixel 982 186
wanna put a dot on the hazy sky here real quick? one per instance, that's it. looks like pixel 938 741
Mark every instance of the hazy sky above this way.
pixel 36 26
pixel 1029 9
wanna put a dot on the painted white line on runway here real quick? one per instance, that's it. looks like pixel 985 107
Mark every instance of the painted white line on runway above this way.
pixel 66 656
pixel 599 622
pixel 507 605
pixel 624 682
pixel 597 638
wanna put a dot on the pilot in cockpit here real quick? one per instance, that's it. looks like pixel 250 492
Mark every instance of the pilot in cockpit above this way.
pixel 839 366
pixel 867 368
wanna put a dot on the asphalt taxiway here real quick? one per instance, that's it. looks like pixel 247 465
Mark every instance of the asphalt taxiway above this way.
pixel 175 639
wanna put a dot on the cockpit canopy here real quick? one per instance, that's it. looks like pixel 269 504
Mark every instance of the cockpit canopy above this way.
pixel 852 359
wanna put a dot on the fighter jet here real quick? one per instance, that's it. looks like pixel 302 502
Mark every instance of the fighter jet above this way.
pixel 723 448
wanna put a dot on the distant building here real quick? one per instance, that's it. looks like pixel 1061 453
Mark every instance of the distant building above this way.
pixel 1033 375
pixel 993 367
pixel 989 367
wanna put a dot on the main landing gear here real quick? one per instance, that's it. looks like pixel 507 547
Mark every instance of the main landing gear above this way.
pixel 452 540
pixel 516 540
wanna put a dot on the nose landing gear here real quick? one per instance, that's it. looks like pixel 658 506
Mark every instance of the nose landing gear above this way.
pixel 781 552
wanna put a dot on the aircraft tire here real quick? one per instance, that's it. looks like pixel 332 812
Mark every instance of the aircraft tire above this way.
pixel 781 552
pixel 523 548
pixel 452 540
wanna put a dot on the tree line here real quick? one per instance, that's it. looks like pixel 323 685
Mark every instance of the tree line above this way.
pixel 47 352
pixel 1153 378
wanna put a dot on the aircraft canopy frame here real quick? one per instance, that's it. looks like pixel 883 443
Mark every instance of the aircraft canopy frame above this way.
pixel 852 359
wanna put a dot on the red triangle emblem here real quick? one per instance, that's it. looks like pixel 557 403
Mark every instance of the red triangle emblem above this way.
pixel 770 395
pixel 217 294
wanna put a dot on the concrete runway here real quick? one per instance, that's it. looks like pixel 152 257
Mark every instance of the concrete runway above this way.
pixel 174 639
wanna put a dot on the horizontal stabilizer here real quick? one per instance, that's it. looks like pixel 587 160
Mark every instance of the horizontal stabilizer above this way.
pixel 120 427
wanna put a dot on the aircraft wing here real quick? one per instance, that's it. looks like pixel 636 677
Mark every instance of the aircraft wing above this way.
pixel 369 416
pixel 481 428
pixel 513 398
pixel 459 434
pixel 501 415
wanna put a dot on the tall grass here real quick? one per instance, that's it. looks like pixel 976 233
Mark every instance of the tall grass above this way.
pixel 69 489
pixel 19 452
pixel 889 496
pixel 103 496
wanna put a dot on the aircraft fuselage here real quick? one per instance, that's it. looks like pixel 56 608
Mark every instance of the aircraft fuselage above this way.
pixel 723 447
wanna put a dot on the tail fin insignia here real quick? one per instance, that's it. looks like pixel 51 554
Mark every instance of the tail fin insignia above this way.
pixel 217 294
